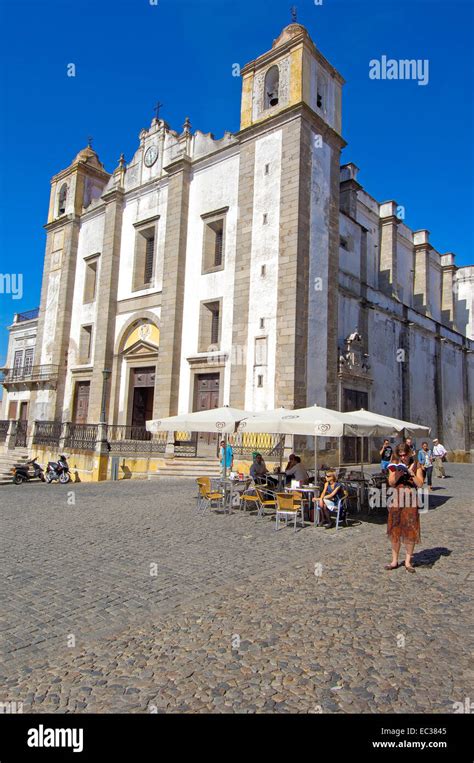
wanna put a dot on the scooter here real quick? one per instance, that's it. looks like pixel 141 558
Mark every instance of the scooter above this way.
pixel 21 472
pixel 58 470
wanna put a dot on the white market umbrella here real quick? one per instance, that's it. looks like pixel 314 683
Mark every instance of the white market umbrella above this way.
pixel 222 420
pixel 385 425
pixel 313 421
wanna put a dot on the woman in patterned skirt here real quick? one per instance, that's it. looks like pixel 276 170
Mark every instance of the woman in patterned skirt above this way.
pixel 405 476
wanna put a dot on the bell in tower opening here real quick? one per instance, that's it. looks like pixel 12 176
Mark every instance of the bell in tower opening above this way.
pixel 272 84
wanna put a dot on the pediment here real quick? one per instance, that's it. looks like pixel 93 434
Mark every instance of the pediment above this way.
pixel 140 349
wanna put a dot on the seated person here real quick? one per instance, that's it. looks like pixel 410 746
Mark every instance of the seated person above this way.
pixel 332 491
pixel 258 470
pixel 297 472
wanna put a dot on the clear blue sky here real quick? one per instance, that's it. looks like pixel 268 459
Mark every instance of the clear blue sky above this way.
pixel 412 143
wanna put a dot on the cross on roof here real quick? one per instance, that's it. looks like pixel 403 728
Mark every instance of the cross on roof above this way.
pixel 294 12
pixel 89 141
pixel 157 108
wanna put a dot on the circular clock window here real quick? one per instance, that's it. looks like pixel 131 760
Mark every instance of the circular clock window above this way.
pixel 151 155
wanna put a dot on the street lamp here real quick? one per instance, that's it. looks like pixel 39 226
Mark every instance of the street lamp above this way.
pixel 106 375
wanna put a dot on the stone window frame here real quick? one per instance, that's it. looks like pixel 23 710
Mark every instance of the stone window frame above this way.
pixel 90 291
pixel 257 339
pixel 205 336
pixel 86 335
pixel 143 230
pixel 208 219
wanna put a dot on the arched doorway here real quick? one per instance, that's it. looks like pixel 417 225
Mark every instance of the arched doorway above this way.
pixel 137 362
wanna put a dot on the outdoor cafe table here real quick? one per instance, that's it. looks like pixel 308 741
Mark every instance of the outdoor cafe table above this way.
pixel 230 487
pixel 310 490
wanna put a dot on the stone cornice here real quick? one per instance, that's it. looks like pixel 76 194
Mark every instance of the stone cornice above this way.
pixel 62 222
pixel 115 194
pixel 293 112
pixel 181 164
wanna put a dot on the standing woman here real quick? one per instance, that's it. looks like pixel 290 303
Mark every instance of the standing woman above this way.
pixel 425 457
pixel 405 477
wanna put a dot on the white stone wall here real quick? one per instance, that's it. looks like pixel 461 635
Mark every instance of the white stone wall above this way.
pixel 213 187
pixel 91 235
pixel 264 290
pixel 140 207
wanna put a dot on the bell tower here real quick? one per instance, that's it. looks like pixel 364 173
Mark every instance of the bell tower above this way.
pixel 72 191
pixel 292 72
pixel 289 177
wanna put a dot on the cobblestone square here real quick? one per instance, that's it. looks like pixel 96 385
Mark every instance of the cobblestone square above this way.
pixel 118 597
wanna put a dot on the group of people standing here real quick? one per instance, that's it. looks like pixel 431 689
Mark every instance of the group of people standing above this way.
pixel 429 458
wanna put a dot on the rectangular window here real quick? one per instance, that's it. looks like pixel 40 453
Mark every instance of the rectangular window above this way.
pixel 17 363
pixel 261 351
pixel 85 346
pixel 260 380
pixel 213 241
pixel 90 281
pixel 145 248
pixel 149 258
pixel 267 169
pixel 28 365
pixel 209 326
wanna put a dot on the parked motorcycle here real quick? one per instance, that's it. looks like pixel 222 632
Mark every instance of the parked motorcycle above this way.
pixel 58 470
pixel 22 472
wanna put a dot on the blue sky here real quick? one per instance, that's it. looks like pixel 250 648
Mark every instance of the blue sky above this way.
pixel 412 143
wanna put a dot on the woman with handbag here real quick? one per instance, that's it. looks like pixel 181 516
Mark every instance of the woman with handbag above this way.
pixel 425 457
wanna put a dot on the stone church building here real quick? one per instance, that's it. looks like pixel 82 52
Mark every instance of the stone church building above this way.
pixel 253 270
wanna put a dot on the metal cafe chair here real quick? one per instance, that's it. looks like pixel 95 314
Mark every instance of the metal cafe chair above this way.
pixel 288 506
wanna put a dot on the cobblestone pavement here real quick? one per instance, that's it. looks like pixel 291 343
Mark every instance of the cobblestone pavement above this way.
pixel 118 597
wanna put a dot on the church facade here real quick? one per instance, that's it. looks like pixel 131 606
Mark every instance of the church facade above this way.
pixel 252 270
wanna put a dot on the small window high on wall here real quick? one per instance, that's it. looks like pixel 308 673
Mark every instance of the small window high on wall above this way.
pixel 272 87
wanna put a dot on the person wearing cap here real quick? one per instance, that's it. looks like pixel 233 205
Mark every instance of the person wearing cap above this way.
pixel 439 454
pixel 258 470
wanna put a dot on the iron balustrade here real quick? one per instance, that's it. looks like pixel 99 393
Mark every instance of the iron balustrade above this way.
pixel 28 374
pixel 185 444
pixel 21 434
pixel 4 430
pixel 126 438
pixel 81 436
pixel 47 432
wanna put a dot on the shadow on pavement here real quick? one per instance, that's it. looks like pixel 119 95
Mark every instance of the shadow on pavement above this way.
pixel 429 556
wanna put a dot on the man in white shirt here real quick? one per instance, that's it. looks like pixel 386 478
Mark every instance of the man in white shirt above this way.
pixel 439 451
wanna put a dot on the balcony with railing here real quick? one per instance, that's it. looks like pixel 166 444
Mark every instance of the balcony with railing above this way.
pixel 26 374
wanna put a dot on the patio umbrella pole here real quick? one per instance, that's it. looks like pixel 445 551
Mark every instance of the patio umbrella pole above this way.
pixel 362 456
pixel 316 473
